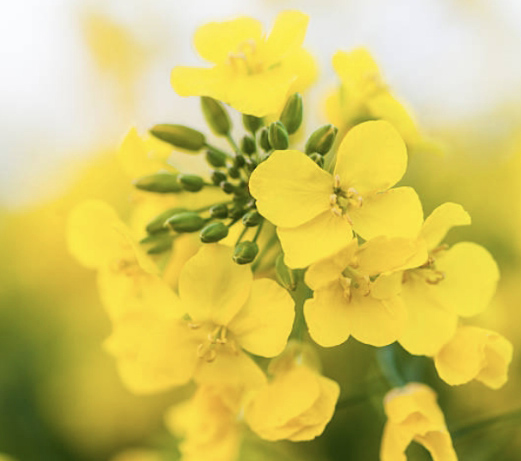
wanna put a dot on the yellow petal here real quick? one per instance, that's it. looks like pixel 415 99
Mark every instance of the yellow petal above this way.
pixel 263 325
pixel 216 40
pixel 475 353
pixel 212 287
pixel 92 233
pixel 290 188
pixel 383 254
pixel 286 36
pixel 440 221
pixel 356 67
pixel 371 158
pixel 387 286
pixel 195 81
pixel 305 66
pixel 471 277
pixel 333 108
pixel 374 321
pixel 385 106
pixel 393 213
pixel 322 273
pixel 232 368
pixel 317 239
pixel 429 326
pixel 327 316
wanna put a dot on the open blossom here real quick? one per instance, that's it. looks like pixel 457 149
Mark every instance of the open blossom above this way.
pixel 251 72
pixel 475 353
pixel 363 95
pixel 356 292
pixel 316 212
pixel 455 282
pixel 229 313
pixel 413 415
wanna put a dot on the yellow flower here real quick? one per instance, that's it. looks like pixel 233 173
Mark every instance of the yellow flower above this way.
pixel 251 72
pixel 295 405
pixel 208 424
pixel 414 415
pixel 364 95
pixel 475 353
pixel 228 312
pixel 455 282
pixel 128 279
pixel 316 211
pixel 349 300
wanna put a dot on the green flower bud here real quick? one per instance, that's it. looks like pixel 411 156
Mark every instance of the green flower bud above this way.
pixel 245 252
pixel 285 275
pixel 158 243
pixel 218 177
pixel 317 158
pixel 251 164
pixel 186 221
pixel 252 218
pixel 215 158
pixel 278 136
pixel 321 140
pixel 213 232
pixel 233 172
pixel 191 182
pixel 227 187
pixel 179 136
pixel 239 161
pixel 157 224
pixel 162 183
pixel 252 123
pixel 219 211
pixel 291 115
pixel 264 140
pixel 248 145
pixel 237 212
pixel 216 116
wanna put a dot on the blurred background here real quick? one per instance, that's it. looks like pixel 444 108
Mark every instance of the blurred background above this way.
pixel 78 73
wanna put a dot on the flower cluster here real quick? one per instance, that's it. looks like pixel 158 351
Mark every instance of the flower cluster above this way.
pixel 216 271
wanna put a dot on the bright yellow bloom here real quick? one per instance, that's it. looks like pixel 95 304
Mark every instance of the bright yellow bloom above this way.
pixel 349 300
pixel 475 353
pixel 208 423
pixel 295 405
pixel 414 415
pixel 228 312
pixel 363 95
pixel 251 72
pixel 128 279
pixel 316 211
pixel 455 282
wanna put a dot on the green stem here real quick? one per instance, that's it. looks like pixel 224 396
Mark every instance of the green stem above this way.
pixel 216 149
pixel 232 142
pixel 301 293
pixel 241 235
pixel 259 230
pixel 386 357
pixel 350 401
pixel 262 253
pixel 462 431
pixel 207 207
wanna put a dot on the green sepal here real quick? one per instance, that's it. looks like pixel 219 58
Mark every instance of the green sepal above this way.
pixel 321 140
pixel 219 211
pixel 291 116
pixel 191 182
pixel 163 183
pixel 278 136
pixel 245 252
pixel 158 223
pixel 248 145
pixel 216 116
pixel 252 123
pixel 158 243
pixel 264 139
pixel 213 232
pixel 186 221
pixel 252 218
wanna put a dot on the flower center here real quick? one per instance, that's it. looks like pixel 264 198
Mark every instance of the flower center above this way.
pixel 215 341
pixel 246 60
pixel 342 200
pixel 352 280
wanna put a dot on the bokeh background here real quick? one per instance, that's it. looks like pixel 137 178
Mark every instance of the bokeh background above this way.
pixel 77 74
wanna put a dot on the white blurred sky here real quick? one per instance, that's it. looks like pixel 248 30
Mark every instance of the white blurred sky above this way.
pixel 450 60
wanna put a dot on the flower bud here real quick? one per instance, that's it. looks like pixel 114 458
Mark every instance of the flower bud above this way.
pixel 239 161
pixel 158 243
pixel 216 116
pixel 215 158
pixel 157 224
pixel 237 212
pixel 248 145
pixel 191 182
pixel 213 232
pixel 278 136
pixel 252 123
pixel 179 136
pixel 233 172
pixel 219 211
pixel 162 183
pixel 264 140
pixel 251 164
pixel 227 187
pixel 218 177
pixel 291 116
pixel 186 221
pixel 245 252
pixel 321 140
pixel 317 158
pixel 252 218
pixel 285 275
